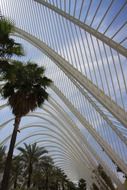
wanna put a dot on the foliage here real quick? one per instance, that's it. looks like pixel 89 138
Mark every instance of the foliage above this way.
pixel 16 171
pixel 25 90
pixel 2 157
pixel 30 155
pixel 105 177
pixel 82 184
pixel 95 187
pixel 8 46
pixel 42 167
pixel 24 86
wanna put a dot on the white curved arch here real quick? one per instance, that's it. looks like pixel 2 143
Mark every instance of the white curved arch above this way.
pixel 106 101
pixel 79 135
pixel 67 129
pixel 86 27
pixel 118 112
pixel 115 179
pixel 63 139
pixel 63 145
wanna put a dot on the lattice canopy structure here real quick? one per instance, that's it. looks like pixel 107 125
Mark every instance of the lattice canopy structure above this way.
pixel 83 46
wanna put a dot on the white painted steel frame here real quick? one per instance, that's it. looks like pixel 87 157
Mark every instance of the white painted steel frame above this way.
pixel 85 154
pixel 63 144
pixel 106 101
pixel 87 145
pixel 42 47
pixel 87 28
pixel 85 142
pixel 77 77
pixel 92 131
pixel 104 116
pixel 79 135
pixel 57 144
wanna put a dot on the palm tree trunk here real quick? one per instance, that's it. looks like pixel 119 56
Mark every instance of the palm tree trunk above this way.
pixel 30 170
pixel 47 181
pixel 57 184
pixel 6 175
pixel 15 181
pixel 63 185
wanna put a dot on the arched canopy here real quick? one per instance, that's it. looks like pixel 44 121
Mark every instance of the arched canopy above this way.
pixel 83 45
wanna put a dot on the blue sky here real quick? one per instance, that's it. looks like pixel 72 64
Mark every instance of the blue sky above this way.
pixel 21 17
pixel 62 37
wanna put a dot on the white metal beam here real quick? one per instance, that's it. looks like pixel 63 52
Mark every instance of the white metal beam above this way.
pixel 88 146
pixel 60 132
pixel 105 100
pixel 92 131
pixel 103 115
pixel 74 129
pixel 118 112
pixel 87 28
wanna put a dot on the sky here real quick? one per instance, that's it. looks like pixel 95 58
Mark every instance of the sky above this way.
pixel 69 41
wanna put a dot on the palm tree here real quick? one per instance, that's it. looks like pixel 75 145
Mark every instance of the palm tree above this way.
pixel 2 157
pixel 47 166
pixel 30 156
pixel 38 177
pixel 63 180
pixel 60 178
pixel 8 46
pixel 17 169
pixel 71 185
pixel 82 184
pixel 25 89
pixel 105 177
pixel 57 178
pixel 95 186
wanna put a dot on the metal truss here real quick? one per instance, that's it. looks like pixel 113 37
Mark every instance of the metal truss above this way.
pixel 115 160
pixel 109 104
pixel 74 129
pixel 84 141
pixel 64 145
pixel 87 28
pixel 88 126
pixel 75 22
pixel 59 139
pixel 99 95
pixel 59 142
pixel 104 116
pixel 59 134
